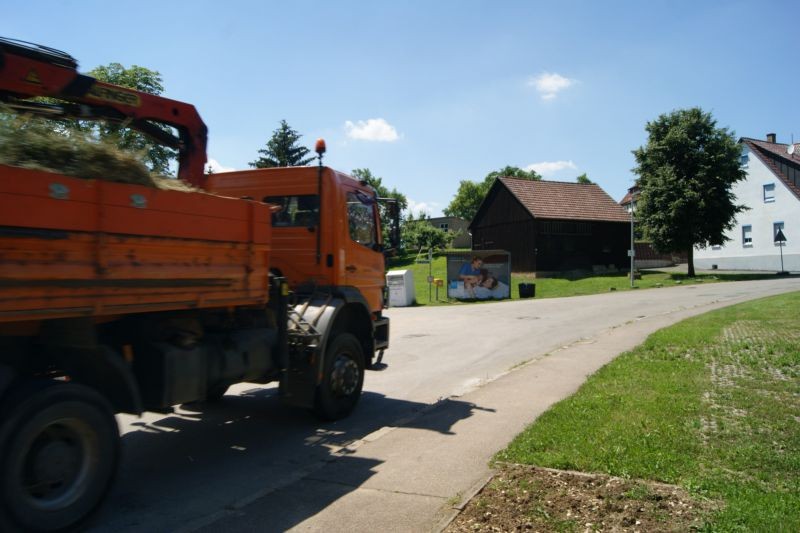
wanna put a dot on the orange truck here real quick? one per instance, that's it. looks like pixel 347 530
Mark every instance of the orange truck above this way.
pixel 120 298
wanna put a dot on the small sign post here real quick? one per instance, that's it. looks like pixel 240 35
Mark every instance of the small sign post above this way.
pixel 780 240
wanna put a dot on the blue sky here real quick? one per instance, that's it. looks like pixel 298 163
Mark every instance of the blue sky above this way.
pixel 426 93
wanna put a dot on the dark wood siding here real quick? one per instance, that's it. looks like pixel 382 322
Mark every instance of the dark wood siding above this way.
pixel 503 224
pixel 579 245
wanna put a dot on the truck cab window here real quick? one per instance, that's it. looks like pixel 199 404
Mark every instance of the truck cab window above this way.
pixel 295 211
pixel 361 218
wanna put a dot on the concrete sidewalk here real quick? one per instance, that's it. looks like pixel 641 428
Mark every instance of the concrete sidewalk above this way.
pixel 417 474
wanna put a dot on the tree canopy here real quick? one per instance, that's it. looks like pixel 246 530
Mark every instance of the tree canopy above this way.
pixel 470 194
pixel 364 174
pixel 419 233
pixel 584 179
pixel 156 156
pixel 686 172
pixel 282 150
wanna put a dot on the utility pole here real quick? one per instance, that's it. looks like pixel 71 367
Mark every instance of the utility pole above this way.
pixel 632 251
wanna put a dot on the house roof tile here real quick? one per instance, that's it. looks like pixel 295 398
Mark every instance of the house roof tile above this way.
pixel 566 201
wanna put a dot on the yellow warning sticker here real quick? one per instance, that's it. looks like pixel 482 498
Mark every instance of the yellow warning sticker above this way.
pixel 33 77
pixel 115 95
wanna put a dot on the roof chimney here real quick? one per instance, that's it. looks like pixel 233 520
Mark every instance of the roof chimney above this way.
pixel 770 137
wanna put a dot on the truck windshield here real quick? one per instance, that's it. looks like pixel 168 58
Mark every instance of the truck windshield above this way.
pixel 361 218
pixel 295 211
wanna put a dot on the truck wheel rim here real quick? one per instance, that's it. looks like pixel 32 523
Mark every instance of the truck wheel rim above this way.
pixel 57 465
pixel 344 377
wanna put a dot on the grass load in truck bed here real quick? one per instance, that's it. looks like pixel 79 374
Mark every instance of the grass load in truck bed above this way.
pixel 35 144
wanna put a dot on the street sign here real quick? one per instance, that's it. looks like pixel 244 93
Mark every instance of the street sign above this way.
pixel 631 253
pixel 780 237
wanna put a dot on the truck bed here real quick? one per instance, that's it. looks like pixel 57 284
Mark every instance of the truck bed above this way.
pixel 74 247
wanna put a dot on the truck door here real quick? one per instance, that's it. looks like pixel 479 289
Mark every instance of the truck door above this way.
pixel 363 256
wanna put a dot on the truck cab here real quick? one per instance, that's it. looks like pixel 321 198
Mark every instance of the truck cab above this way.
pixel 326 240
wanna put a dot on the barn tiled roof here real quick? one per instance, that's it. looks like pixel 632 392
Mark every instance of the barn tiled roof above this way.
pixel 768 152
pixel 566 201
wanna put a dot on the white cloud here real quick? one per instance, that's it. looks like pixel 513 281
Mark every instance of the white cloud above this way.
pixel 429 208
pixel 548 168
pixel 373 129
pixel 215 167
pixel 549 84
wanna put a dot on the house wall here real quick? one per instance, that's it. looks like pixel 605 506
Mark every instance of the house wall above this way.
pixel 764 254
pixel 456 225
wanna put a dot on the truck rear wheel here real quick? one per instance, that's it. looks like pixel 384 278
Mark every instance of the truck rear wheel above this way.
pixel 59 449
pixel 342 378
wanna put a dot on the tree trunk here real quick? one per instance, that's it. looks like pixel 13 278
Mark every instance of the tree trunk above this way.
pixel 690 257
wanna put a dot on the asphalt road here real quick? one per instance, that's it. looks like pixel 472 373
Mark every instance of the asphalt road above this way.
pixel 195 468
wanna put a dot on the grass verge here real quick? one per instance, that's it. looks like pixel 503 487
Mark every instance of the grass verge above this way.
pixel 711 404
pixel 556 287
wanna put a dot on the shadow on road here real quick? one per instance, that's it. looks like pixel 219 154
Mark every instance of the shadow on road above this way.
pixel 207 461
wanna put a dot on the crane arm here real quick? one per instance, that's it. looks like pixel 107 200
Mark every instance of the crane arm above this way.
pixel 28 71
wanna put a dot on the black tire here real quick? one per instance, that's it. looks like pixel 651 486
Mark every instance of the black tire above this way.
pixel 342 378
pixel 59 451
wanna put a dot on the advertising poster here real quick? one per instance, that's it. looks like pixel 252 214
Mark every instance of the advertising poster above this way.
pixel 479 275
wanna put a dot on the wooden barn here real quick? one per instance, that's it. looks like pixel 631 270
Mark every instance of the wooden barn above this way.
pixel 551 227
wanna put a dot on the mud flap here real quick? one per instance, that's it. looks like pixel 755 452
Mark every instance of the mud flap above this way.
pixel 298 384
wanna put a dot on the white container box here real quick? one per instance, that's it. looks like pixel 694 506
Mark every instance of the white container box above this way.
pixel 400 284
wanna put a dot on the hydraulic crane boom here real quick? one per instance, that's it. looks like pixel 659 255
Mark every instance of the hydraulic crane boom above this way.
pixel 28 71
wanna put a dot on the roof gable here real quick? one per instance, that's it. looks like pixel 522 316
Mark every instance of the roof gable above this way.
pixel 565 201
pixel 772 153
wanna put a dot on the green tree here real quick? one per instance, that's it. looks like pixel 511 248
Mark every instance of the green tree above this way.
pixel 282 150
pixel 470 194
pixel 156 156
pixel 686 172
pixel 364 174
pixel 419 233
pixel 584 179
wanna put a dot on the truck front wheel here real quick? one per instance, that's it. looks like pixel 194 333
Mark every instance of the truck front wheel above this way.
pixel 59 449
pixel 342 378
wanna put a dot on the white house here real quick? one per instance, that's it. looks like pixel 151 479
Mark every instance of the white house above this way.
pixel 772 192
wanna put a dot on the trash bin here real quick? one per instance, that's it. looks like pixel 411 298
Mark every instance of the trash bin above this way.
pixel 527 290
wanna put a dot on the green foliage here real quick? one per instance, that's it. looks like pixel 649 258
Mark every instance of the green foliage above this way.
pixel 282 150
pixel 419 233
pixel 584 179
pixel 470 194
pixel 155 156
pixel 364 174
pixel 686 172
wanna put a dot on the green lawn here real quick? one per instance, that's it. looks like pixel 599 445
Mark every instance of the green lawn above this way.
pixel 711 404
pixel 554 287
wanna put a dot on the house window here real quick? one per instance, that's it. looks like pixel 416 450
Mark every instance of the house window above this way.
pixel 744 160
pixel 747 236
pixel 777 226
pixel 769 193
pixel 443 226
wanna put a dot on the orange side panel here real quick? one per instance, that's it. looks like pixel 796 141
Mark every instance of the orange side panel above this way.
pixel 71 247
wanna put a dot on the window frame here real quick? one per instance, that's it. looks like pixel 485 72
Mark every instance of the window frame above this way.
pixel 768 199
pixel 747 229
